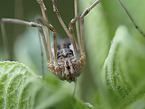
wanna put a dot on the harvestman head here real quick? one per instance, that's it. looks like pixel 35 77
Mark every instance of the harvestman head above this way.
pixel 65 62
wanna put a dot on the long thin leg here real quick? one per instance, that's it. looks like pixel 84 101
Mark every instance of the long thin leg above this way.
pixel 74 91
pixel 55 41
pixel 22 22
pixel 77 25
pixel 59 18
pixel 42 66
pixel 43 9
pixel 64 26
pixel 5 41
pixel 82 24
pixel 73 21
pixel 131 18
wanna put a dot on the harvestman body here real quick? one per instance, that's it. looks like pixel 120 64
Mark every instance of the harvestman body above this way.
pixel 65 62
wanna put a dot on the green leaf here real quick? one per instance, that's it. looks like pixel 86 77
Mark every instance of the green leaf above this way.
pixel 20 88
pixel 124 68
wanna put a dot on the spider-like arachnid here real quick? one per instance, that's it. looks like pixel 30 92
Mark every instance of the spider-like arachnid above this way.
pixel 66 62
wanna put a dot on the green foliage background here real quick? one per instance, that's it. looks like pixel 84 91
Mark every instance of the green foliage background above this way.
pixel 113 77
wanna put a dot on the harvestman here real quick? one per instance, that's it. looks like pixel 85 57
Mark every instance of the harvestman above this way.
pixel 66 62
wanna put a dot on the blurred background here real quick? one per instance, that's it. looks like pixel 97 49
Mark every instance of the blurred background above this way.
pixel 24 44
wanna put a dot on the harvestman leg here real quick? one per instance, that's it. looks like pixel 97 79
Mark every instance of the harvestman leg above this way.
pixel 55 44
pixel 77 24
pixel 43 9
pixel 131 18
pixel 5 40
pixel 22 22
pixel 73 21
pixel 87 10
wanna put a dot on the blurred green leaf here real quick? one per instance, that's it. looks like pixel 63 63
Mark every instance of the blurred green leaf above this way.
pixel 124 68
